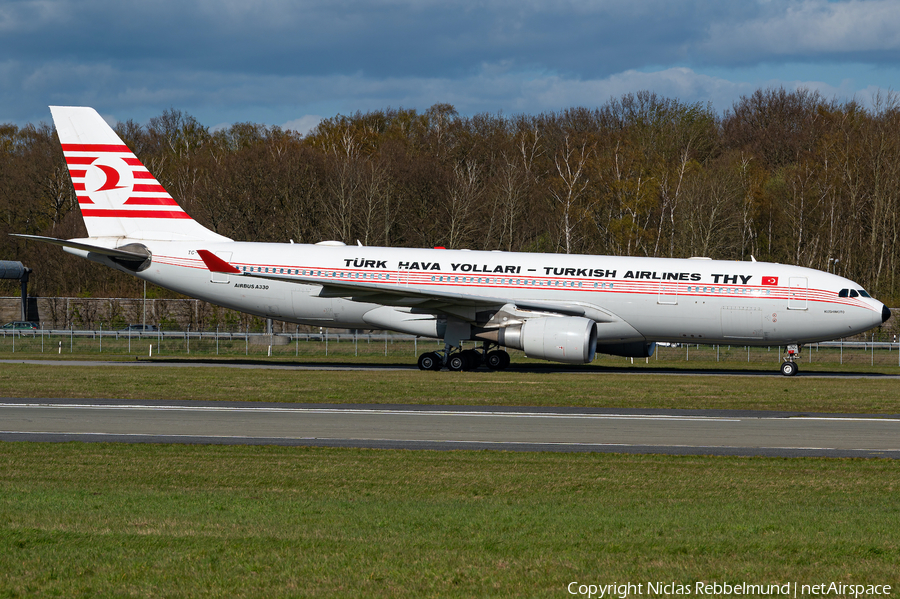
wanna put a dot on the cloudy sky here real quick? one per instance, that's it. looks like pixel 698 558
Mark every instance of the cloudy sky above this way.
pixel 290 63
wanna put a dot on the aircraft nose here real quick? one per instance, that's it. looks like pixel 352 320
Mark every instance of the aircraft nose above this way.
pixel 885 314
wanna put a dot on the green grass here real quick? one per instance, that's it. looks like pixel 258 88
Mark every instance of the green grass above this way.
pixel 373 350
pixel 108 520
pixel 88 520
pixel 582 388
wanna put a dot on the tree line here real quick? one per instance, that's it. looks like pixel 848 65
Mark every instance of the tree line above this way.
pixel 781 176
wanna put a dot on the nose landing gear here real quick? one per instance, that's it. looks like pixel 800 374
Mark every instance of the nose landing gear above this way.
pixel 789 367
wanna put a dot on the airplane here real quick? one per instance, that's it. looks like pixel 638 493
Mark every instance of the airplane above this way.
pixel 556 307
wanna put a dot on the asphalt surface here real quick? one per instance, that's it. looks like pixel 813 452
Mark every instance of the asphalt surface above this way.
pixel 677 432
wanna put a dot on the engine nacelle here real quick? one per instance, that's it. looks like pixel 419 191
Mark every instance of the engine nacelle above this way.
pixel 568 339
pixel 635 349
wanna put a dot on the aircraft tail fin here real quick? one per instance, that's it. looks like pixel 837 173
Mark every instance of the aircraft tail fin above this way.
pixel 117 195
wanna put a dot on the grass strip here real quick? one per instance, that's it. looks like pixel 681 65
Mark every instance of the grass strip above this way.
pixel 575 388
pixel 364 350
pixel 87 520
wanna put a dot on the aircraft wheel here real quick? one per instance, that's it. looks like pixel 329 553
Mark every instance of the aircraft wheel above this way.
pixel 457 362
pixel 497 360
pixel 474 358
pixel 789 368
pixel 429 361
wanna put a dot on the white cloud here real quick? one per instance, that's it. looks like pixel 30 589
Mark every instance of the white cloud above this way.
pixel 268 61
pixel 809 28
pixel 303 125
pixel 31 15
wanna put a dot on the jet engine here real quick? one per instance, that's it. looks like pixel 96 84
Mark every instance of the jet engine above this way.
pixel 568 339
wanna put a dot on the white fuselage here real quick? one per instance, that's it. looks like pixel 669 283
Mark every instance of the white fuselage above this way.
pixel 669 300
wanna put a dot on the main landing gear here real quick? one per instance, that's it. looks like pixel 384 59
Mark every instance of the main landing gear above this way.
pixel 464 359
pixel 789 367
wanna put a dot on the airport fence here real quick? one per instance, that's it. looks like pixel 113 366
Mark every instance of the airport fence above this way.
pixel 190 327
pixel 343 344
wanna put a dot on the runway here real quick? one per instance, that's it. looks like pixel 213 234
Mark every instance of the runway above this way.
pixel 682 432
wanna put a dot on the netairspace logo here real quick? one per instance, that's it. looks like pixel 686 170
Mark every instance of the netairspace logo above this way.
pixel 722 589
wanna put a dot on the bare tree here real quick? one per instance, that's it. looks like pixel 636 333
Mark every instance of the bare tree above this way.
pixel 463 196
pixel 568 190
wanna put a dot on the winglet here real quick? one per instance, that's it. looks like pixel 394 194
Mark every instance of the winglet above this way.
pixel 216 264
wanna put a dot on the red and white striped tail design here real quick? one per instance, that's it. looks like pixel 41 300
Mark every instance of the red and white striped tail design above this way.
pixel 117 195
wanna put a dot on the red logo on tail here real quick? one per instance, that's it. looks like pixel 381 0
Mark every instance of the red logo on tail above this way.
pixel 112 177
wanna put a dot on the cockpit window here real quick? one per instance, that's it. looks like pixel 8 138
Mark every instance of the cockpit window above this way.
pixel 853 293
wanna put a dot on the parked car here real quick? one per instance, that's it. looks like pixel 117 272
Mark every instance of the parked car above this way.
pixel 20 325
pixel 141 328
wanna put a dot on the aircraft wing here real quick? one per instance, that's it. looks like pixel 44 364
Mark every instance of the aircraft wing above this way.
pixel 394 294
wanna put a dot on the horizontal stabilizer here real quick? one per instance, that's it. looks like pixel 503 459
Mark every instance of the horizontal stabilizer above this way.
pixel 86 247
